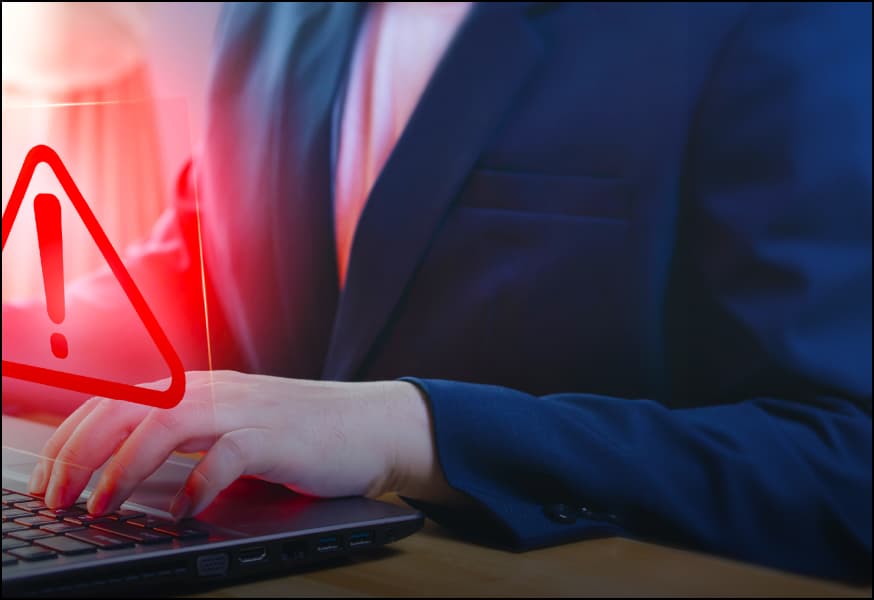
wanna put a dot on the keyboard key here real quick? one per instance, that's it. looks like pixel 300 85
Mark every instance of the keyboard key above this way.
pixel 60 513
pixel 85 519
pixel 185 530
pixel 11 526
pixel 65 545
pixel 125 514
pixel 150 522
pixel 61 527
pixel 14 513
pixel 9 560
pixel 12 498
pixel 29 534
pixel 141 535
pixel 31 505
pixel 34 520
pixel 32 553
pixel 10 543
pixel 100 539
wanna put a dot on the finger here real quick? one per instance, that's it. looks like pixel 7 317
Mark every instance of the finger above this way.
pixel 197 445
pixel 39 478
pixel 111 421
pixel 147 448
pixel 234 454
pixel 90 444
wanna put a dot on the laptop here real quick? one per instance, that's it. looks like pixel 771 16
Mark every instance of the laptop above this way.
pixel 252 529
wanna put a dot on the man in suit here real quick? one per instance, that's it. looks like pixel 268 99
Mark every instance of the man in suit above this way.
pixel 620 256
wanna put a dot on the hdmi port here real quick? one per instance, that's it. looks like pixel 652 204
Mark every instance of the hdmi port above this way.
pixel 249 556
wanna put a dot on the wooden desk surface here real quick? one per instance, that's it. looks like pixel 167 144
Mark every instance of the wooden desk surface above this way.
pixel 432 563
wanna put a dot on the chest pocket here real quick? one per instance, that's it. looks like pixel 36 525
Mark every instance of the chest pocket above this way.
pixel 558 195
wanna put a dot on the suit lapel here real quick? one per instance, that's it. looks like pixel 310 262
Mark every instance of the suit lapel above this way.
pixel 266 172
pixel 492 55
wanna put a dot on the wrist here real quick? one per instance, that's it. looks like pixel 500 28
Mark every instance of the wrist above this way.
pixel 415 468
pixel 411 452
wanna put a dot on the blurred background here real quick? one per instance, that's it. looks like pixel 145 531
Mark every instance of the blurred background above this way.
pixel 118 63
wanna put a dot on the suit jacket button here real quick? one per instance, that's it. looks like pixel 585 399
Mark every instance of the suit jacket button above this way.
pixel 560 513
pixel 596 515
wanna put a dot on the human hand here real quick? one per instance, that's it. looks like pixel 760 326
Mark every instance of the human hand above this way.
pixel 318 438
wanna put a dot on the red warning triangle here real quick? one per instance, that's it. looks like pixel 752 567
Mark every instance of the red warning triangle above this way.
pixel 81 383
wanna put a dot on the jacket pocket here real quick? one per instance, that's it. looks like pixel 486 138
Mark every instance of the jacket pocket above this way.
pixel 559 195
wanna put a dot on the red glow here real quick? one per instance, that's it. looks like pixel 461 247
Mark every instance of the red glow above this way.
pixel 277 499
pixel 80 383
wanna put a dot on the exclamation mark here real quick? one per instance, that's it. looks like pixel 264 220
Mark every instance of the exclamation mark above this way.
pixel 47 211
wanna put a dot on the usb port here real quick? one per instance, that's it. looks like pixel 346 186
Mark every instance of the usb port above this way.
pixel 362 538
pixel 248 556
pixel 330 543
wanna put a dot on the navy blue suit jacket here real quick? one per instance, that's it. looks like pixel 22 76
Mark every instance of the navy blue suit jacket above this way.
pixel 625 250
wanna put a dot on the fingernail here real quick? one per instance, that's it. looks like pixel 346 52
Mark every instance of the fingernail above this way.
pixel 37 480
pixel 180 505
pixel 97 502
pixel 54 497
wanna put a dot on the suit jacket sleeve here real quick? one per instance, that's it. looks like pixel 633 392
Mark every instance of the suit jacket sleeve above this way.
pixel 774 245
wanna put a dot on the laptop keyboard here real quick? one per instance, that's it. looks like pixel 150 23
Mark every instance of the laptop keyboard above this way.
pixel 32 531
